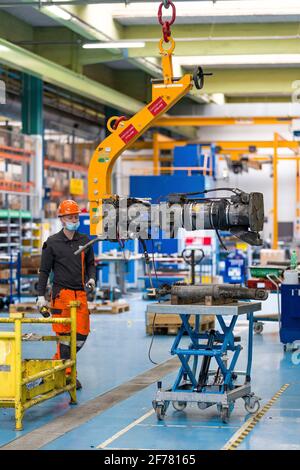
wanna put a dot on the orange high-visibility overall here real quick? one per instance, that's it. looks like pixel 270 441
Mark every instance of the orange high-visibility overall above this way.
pixel 60 308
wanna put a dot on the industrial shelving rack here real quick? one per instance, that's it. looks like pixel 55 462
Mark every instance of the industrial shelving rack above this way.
pixel 11 234
pixel 31 237
pixel 65 164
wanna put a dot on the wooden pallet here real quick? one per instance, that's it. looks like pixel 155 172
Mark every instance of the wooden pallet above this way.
pixel 108 308
pixel 169 324
pixel 23 307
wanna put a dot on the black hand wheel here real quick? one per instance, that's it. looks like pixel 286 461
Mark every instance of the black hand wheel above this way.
pixel 198 77
pixel 198 255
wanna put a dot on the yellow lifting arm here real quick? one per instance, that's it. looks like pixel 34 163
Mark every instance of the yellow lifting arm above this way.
pixel 165 94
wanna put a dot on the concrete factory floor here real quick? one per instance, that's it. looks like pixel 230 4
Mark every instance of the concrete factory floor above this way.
pixel 117 352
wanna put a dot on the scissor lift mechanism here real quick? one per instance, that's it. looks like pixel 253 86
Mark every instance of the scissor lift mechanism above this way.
pixel 196 382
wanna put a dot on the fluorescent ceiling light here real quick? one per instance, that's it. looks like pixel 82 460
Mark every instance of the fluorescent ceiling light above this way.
pixel 59 12
pixel 250 59
pixel 113 45
pixel 4 48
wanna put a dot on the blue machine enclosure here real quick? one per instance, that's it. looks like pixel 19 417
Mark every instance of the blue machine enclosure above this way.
pixel 157 188
pixel 290 313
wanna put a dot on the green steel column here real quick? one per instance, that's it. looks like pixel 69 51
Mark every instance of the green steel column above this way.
pixel 32 105
pixel 32 124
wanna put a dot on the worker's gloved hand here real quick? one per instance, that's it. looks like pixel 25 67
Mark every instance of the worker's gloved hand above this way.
pixel 41 302
pixel 90 285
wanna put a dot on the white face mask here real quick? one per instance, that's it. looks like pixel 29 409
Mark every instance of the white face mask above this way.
pixel 71 226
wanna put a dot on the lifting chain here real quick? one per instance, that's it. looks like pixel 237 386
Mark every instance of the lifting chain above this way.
pixel 166 25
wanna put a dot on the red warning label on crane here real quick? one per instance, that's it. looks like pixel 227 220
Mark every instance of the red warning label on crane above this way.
pixel 129 133
pixel 157 106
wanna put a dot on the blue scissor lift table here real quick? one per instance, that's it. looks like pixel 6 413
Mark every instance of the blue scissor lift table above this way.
pixel 196 382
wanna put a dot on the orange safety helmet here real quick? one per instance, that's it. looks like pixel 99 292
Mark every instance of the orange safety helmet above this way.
pixel 68 207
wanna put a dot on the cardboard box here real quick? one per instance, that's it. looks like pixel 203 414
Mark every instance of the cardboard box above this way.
pixel 32 261
pixel 16 176
pixel 271 255
pixel 67 152
pixel 15 205
pixel 50 149
pixel 59 154
pixel 28 144
pixel 4 289
pixel 51 209
pixel 16 140
pixel 4 273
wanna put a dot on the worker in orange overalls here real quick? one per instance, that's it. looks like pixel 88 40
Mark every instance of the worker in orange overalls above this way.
pixel 73 275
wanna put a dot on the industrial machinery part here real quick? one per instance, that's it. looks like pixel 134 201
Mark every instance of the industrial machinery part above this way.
pixel 242 214
pixel 108 293
pixel 187 294
pixel 128 218
pixel 237 213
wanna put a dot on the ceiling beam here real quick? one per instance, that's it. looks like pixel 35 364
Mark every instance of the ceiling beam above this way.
pixel 220 48
pixel 259 81
pixel 219 39
pixel 96 24
pixel 13 29
pixel 213 31
pixel 21 59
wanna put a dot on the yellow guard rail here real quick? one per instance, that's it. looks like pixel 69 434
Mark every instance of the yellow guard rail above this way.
pixel 20 387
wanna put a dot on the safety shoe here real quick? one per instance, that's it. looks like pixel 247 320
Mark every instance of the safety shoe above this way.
pixel 78 385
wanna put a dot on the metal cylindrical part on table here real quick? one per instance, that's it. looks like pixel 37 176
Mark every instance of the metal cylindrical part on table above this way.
pixel 193 294
pixel 223 215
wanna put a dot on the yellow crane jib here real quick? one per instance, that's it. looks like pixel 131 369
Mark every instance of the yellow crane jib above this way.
pixel 124 132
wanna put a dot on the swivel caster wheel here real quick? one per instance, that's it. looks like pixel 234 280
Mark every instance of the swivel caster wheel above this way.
pixel 252 404
pixel 179 405
pixel 160 410
pixel 258 328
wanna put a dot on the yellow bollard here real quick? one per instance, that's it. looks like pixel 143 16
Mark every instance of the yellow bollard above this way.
pixel 73 346
pixel 18 374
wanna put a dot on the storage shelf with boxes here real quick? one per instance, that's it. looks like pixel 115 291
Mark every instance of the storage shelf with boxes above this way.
pixel 66 166
pixel 16 153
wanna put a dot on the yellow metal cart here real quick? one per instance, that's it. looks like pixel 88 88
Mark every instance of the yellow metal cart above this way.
pixel 27 382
